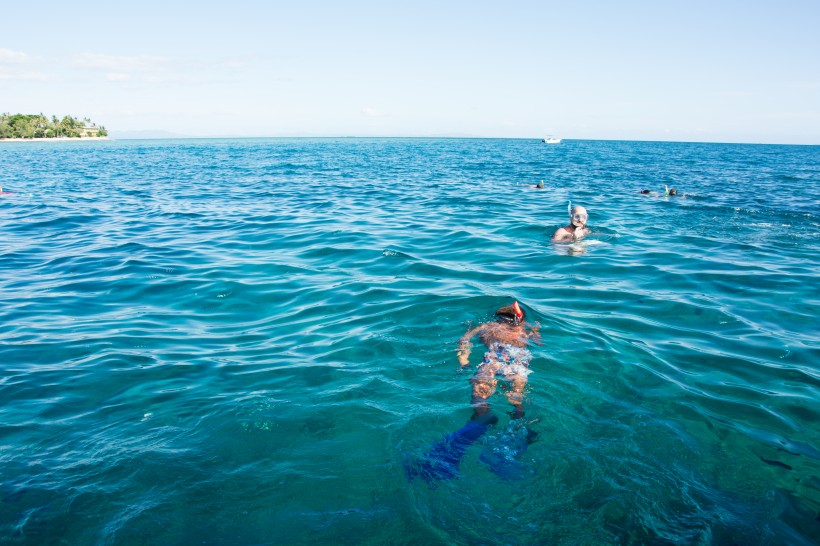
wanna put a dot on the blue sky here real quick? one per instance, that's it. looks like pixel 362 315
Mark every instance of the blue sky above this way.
pixel 718 71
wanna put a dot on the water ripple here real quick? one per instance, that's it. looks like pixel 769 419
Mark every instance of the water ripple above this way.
pixel 241 341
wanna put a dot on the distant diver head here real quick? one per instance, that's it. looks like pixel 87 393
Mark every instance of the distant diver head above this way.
pixel 511 314
pixel 673 191
pixel 645 192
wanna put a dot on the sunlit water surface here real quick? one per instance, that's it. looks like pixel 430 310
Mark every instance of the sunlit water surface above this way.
pixel 245 341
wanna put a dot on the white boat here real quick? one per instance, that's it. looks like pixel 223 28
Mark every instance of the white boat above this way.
pixel 552 140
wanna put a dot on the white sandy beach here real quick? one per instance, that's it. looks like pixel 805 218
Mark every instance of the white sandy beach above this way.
pixel 56 139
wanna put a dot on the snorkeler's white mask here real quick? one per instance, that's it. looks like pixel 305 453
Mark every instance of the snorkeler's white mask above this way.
pixel 578 219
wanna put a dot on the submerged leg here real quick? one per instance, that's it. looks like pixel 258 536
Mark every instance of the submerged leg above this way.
pixel 503 450
pixel 441 462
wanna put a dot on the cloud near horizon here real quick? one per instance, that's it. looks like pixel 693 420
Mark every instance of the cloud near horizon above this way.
pixel 137 69
pixel 372 113
pixel 147 69
pixel 121 64
pixel 23 76
pixel 12 65
pixel 8 56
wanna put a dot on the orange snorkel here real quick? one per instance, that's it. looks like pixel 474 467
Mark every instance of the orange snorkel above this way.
pixel 519 314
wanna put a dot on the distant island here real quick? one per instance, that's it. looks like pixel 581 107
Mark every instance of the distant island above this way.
pixel 31 126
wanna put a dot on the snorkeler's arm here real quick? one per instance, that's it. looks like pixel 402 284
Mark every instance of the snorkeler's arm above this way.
pixel 464 345
pixel 535 334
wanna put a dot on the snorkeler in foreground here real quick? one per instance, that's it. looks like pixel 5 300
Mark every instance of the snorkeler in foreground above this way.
pixel 576 229
pixel 507 358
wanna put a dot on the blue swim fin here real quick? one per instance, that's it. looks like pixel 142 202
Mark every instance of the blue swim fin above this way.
pixel 503 450
pixel 441 462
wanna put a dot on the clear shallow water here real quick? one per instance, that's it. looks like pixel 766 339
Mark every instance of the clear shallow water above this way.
pixel 242 341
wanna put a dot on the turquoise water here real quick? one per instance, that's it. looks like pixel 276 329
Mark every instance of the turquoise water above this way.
pixel 244 341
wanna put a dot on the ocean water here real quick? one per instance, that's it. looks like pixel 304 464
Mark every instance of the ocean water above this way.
pixel 245 341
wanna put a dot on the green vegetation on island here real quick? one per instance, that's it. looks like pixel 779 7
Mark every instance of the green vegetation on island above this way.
pixel 39 126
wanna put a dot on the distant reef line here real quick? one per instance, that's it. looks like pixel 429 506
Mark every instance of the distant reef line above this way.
pixel 23 127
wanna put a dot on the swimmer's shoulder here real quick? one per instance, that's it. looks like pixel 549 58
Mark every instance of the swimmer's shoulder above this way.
pixel 561 234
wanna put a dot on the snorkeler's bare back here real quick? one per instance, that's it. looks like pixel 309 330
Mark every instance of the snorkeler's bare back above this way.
pixel 494 332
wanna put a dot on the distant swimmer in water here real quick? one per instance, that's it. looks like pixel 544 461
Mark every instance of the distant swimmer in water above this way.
pixel 507 357
pixel 672 192
pixel 576 229
pixel 668 192
pixel 539 186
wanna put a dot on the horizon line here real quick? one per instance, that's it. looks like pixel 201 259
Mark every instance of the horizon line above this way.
pixel 113 136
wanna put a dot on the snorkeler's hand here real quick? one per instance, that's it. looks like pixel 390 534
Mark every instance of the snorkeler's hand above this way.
pixel 463 353
pixel 535 334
